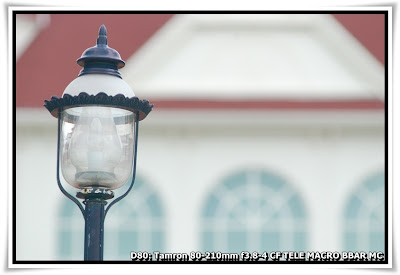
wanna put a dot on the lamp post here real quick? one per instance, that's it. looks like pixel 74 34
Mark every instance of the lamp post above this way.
pixel 98 121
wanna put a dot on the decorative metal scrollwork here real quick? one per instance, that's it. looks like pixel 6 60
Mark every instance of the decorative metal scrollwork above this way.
pixel 101 99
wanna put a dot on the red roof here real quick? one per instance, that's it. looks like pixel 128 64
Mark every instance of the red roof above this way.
pixel 369 29
pixel 49 64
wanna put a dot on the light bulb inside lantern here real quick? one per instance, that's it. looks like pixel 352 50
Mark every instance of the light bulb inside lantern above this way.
pixel 95 148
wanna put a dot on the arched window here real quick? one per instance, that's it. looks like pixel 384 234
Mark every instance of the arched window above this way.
pixel 136 223
pixel 70 228
pixel 254 211
pixel 365 217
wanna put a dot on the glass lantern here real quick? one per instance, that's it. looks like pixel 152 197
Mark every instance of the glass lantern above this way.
pixel 98 113
pixel 97 146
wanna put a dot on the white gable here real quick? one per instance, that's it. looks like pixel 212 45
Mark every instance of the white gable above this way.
pixel 271 56
pixel 27 28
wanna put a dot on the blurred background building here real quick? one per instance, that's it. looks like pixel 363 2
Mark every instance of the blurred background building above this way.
pixel 268 133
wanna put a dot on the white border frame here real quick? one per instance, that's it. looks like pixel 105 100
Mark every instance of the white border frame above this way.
pixel 7 113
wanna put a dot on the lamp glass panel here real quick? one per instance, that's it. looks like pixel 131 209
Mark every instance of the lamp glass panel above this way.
pixel 97 146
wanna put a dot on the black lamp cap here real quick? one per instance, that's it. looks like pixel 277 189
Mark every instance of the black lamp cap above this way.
pixel 101 59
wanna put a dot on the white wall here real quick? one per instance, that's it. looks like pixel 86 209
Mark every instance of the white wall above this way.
pixel 184 154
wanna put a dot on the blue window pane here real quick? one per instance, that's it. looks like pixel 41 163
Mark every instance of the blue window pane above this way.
pixel 71 245
pixel 127 242
pixel 365 215
pixel 211 206
pixel 65 243
pixel 296 206
pixel 154 205
pixel 300 240
pixel 353 207
pixel 235 181
pixel 377 241
pixel 271 241
pixel 237 242
pixel 69 209
pixel 350 241
pixel 375 183
pixel 157 241
pixel 208 241
pixel 274 182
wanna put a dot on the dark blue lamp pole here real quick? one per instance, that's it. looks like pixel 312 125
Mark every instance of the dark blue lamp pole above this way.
pixel 98 122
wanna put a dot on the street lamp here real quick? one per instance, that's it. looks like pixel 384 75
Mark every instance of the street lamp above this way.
pixel 98 121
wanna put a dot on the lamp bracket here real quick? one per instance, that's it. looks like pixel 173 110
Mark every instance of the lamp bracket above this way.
pixel 95 193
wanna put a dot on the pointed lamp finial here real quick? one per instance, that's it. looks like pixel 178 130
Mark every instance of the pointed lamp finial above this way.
pixel 102 39
pixel 101 59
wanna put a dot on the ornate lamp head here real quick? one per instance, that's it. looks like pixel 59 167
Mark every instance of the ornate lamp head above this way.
pixel 97 112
